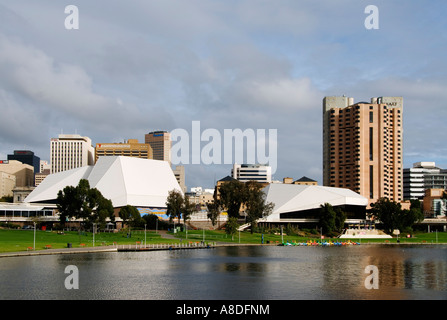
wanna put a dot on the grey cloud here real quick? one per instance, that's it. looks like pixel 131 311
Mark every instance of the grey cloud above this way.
pixel 147 65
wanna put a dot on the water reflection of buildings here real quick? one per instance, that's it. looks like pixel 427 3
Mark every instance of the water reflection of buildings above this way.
pixel 398 269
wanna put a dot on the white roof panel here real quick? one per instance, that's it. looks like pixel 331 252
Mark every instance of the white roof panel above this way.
pixel 291 197
pixel 123 180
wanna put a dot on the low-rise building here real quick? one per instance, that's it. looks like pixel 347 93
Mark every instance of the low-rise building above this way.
pixel 434 203
pixel 252 172
pixel 423 176
pixel 13 174
pixel 300 204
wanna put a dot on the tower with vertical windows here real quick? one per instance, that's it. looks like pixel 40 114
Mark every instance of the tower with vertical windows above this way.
pixel 70 151
pixel 362 146
pixel 160 142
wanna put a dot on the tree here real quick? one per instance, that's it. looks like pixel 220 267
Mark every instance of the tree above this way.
pixel 231 226
pixel 104 208
pixel 327 218
pixel 213 210
pixel 179 206
pixel 67 203
pixel 232 195
pixel 153 222
pixel 387 212
pixel 129 214
pixel 255 204
pixel 412 216
pixel 340 218
pixel 187 209
pixel 83 202
pixel 174 204
pixel 391 215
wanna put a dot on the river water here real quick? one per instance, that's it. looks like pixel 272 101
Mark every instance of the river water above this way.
pixel 404 272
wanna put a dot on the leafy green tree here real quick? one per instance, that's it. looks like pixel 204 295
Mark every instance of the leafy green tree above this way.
pixel 153 222
pixel 231 227
pixel 67 203
pixel 387 212
pixel 174 205
pixel 187 209
pixel 232 195
pixel 214 209
pixel 83 202
pixel 327 218
pixel 130 215
pixel 409 217
pixel 7 199
pixel 255 204
pixel 340 218
pixel 103 208
pixel 391 215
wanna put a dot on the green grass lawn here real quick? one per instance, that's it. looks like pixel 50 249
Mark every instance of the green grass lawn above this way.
pixel 21 240
pixel 247 237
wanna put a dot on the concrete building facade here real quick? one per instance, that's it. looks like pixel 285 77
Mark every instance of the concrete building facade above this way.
pixel 252 172
pixel 130 148
pixel 362 146
pixel 7 184
pixel 70 151
pixel 160 142
pixel 179 173
pixel 13 174
pixel 434 203
pixel 27 157
pixel 423 176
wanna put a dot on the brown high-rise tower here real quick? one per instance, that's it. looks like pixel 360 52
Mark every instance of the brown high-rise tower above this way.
pixel 160 141
pixel 362 146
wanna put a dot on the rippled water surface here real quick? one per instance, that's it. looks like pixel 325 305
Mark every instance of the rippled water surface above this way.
pixel 262 273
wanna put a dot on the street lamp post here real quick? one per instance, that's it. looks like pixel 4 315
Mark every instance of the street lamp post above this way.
pixel 34 244
pixel 144 234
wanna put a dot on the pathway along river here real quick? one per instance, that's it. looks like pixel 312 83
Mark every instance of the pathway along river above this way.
pixel 246 272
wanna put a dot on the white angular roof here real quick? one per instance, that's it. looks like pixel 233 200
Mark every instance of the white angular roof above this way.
pixel 294 197
pixel 123 180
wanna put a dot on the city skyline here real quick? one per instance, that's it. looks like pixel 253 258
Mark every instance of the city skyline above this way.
pixel 134 67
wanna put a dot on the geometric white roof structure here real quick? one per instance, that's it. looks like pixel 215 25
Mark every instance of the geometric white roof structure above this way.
pixel 294 197
pixel 123 180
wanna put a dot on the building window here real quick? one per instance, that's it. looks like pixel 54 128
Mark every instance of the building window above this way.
pixel 371 182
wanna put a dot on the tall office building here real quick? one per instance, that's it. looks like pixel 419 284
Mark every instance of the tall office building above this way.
pixel 362 146
pixel 70 151
pixel 131 148
pixel 160 141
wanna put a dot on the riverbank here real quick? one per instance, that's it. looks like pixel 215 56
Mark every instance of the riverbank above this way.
pixel 176 246
pixel 129 248
pixel 20 242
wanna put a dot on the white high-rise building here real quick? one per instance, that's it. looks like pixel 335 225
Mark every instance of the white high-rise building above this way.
pixel 70 151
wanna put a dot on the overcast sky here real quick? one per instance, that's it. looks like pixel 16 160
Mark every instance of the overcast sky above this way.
pixel 137 66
